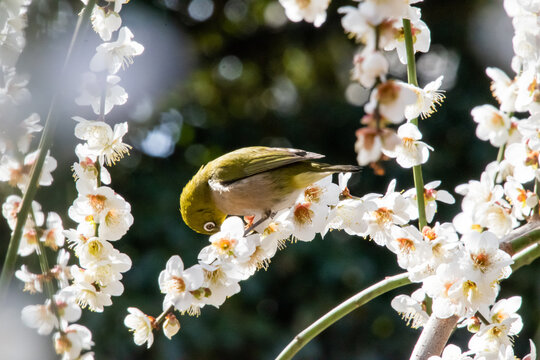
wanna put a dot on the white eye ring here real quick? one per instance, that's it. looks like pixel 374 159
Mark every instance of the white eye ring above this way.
pixel 209 226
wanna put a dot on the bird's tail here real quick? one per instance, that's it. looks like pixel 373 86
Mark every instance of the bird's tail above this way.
pixel 337 168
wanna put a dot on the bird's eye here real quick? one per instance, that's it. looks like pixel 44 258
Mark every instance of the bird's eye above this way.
pixel 209 226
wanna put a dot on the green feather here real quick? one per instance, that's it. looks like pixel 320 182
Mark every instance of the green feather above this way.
pixel 254 160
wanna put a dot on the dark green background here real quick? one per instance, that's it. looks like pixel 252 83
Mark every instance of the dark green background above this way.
pixel 209 115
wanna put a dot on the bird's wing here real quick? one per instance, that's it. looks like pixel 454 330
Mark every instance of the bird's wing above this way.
pixel 255 160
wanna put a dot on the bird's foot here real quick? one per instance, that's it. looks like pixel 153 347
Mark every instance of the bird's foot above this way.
pixel 252 225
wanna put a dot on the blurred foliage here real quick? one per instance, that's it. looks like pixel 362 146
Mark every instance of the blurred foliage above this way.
pixel 244 76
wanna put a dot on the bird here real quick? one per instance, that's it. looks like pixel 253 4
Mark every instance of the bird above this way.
pixel 252 181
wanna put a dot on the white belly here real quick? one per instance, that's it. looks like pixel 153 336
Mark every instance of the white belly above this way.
pixel 254 195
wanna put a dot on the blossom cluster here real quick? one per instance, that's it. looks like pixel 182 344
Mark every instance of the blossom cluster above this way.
pixel 102 215
pixel 18 126
pixel 504 197
pixel 459 264
pixel 40 230
pixel 234 256
pixel 378 27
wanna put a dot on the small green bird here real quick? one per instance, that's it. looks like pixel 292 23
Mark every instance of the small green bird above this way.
pixel 256 180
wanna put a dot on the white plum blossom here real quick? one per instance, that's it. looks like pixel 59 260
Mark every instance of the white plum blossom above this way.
pixel 141 325
pixel 40 317
pixel 228 243
pixel 370 142
pixel 524 161
pixel 112 56
pixel 104 207
pixel 507 309
pixel 72 341
pixel 523 201
pixel 410 151
pixel 305 219
pixel 479 192
pixel 92 250
pixel 451 352
pixel 369 65
pixel 178 284
pixel 52 235
pixel 391 210
pixel 421 36
pixel 431 196
pixel 29 126
pixel 32 282
pixel 427 100
pixel 390 99
pixel 411 308
pixel 220 288
pixel 503 88
pixel 443 245
pixel 88 293
pixel 92 93
pixel 13 90
pixel 447 277
pixel 495 217
pixel 348 215
pixel 483 207
pixel 18 174
pixel 355 23
pixel 409 246
pixel 265 248
pixel 490 338
pixel 103 141
pixel 323 192
pixel 530 129
pixel 378 11
pixel 528 92
pixel 483 258
pixel 11 207
pixel 61 270
pixel 313 11
pixel 493 124
pixel 87 167
pixel 105 22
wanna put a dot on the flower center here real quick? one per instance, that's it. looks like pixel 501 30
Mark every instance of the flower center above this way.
pixel 430 194
pixel 408 143
pixel 176 285
pixel 429 233
pixel 97 202
pixel 62 344
pixel 271 228
pixel 469 288
pixel 303 213
pixel 383 215
pixel 112 218
pixel 406 245
pixel 95 248
pixel 481 261
pixel 532 159
pixel 225 244
pixel 302 4
pixel 522 197
pixel 388 92
pixel 313 193
pixel 497 120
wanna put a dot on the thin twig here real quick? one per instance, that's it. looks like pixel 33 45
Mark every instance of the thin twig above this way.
pixel 340 311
